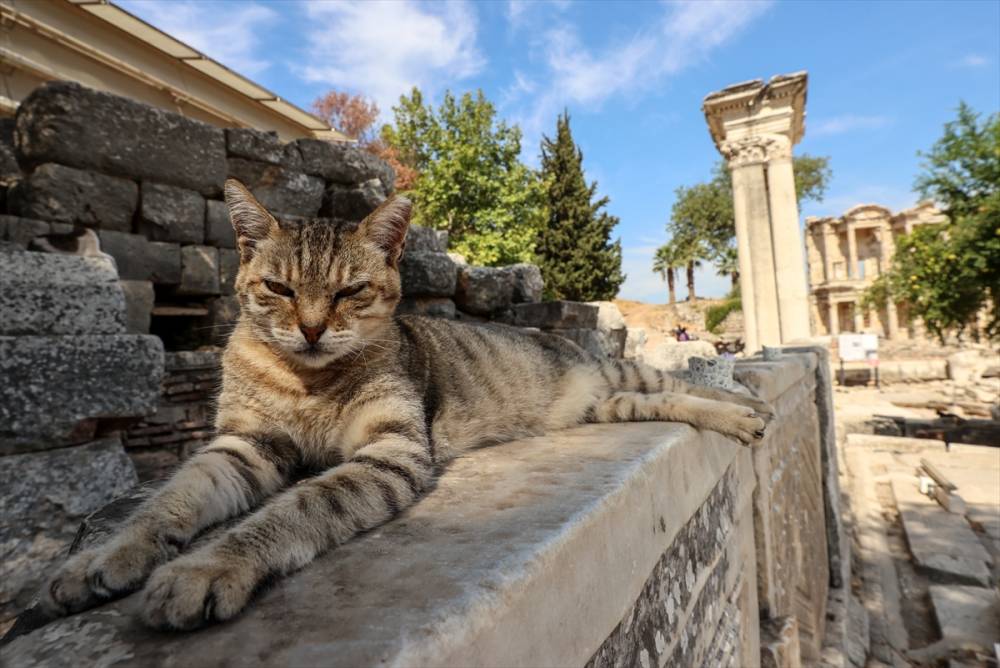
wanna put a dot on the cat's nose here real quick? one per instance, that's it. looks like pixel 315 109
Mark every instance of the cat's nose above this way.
pixel 312 334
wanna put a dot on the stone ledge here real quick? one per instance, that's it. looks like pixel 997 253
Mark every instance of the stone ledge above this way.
pixel 515 541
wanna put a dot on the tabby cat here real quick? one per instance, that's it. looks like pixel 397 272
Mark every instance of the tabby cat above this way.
pixel 323 385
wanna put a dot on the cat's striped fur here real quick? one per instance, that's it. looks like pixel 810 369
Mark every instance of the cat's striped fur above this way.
pixel 322 385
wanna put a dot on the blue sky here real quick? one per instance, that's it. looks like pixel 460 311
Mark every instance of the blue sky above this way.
pixel 883 78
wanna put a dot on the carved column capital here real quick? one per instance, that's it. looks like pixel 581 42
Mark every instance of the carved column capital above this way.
pixel 755 150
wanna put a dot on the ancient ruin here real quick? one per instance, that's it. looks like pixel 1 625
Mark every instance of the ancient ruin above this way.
pixel 846 255
pixel 755 125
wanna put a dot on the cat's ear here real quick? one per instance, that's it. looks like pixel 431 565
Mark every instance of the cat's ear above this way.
pixel 250 219
pixel 386 227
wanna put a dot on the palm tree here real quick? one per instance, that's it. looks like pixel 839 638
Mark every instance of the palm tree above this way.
pixel 666 261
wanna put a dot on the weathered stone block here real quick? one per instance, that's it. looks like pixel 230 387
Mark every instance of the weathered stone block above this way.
pixel 56 386
pixel 254 145
pixel 199 271
pixel 340 162
pixel 528 284
pixel 229 266
pixel 674 355
pixel 49 293
pixel 9 169
pixel 426 240
pixel 591 340
pixel 218 227
pixel 20 231
pixel 556 315
pixel 43 498
pixel 279 189
pixel 67 195
pixel 435 307
pixel 484 290
pixel 139 300
pixel 428 275
pixel 139 259
pixel 67 123
pixel 351 202
pixel 172 214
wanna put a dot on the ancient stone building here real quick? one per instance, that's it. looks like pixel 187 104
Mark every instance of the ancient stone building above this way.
pixel 846 255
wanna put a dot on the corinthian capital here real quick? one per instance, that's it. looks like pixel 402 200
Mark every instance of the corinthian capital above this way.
pixel 753 150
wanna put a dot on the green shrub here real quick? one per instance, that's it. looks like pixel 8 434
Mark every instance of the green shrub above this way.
pixel 716 314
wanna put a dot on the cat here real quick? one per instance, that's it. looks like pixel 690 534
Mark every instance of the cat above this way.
pixel 324 385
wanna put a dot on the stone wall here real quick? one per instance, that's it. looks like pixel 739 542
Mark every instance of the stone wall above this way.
pixel 606 545
pixel 70 377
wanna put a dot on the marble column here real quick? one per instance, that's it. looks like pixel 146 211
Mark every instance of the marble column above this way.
pixel 893 320
pixel 852 254
pixel 789 254
pixel 834 318
pixel 859 319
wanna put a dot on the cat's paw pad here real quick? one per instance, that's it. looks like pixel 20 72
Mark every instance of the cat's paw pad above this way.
pixel 195 590
pixel 748 428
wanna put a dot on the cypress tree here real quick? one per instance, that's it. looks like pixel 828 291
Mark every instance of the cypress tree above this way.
pixel 578 259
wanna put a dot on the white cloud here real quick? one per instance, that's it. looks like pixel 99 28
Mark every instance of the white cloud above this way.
pixel 231 37
pixel 383 49
pixel 974 60
pixel 684 34
pixel 839 201
pixel 847 123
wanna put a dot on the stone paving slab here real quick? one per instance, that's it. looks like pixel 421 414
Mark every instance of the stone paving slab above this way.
pixel 967 613
pixel 939 541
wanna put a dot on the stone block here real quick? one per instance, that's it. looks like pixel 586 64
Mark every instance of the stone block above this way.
pixel 635 342
pixel 351 202
pixel 484 290
pixel 279 189
pixel 528 284
pixel 66 123
pixel 9 169
pixel 339 162
pixel 253 144
pixel 199 271
pixel 50 293
pixel 556 315
pixel 218 227
pixel 66 195
pixel 435 307
pixel 172 214
pixel 139 299
pixel 428 275
pixel 229 266
pixel 674 355
pixel 55 387
pixel 426 240
pixel 591 340
pixel 967 613
pixel 139 259
pixel 512 542
pixel 19 232
pixel 45 496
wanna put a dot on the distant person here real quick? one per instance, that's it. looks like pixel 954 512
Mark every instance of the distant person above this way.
pixel 682 334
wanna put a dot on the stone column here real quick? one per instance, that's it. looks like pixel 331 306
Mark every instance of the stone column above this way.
pixel 754 125
pixel 789 255
pixel 859 319
pixel 852 254
pixel 834 318
pixel 892 318
pixel 829 244
pixel 754 244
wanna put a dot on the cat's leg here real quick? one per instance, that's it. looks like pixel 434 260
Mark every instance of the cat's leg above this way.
pixel 633 376
pixel 226 478
pixel 734 420
pixel 215 581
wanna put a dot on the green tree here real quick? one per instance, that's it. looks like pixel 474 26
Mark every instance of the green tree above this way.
pixel 703 217
pixel 947 274
pixel 470 180
pixel 575 252
pixel 666 262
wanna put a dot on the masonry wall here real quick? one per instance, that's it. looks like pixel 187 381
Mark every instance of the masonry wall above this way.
pixel 607 545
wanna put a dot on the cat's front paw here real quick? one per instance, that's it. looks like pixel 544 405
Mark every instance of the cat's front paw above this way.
pixel 102 573
pixel 745 425
pixel 196 589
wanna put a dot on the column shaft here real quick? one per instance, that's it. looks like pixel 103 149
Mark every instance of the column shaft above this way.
pixel 789 255
pixel 852 254
pixel 834 318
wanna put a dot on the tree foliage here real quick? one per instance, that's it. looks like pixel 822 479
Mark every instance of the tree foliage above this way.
pixel 469 180
pixel 666 261
pixel 946 274
pixel 702 224
pixel 575 252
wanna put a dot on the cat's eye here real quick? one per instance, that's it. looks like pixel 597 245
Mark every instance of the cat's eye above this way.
pixel 350 291
pixel 279 289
